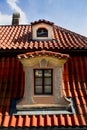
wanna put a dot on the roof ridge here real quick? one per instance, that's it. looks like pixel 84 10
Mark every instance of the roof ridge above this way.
pixel 42 20
pixel 15 25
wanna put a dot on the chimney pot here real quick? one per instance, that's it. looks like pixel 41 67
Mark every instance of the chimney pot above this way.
pixel 15 18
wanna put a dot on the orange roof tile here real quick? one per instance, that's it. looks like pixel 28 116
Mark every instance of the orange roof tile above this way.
pixel 12 86
pixel 42 20
pixel 18 38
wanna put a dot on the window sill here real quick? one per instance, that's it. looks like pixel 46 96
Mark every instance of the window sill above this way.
pixel 45 95
pixel 44 109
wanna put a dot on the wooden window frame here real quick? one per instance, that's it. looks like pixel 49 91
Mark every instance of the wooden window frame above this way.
pixel 43 83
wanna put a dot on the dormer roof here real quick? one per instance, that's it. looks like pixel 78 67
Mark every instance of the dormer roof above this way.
pixel 42 21
pixel 42 53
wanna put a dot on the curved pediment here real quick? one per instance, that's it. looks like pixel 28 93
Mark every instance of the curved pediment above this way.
pixel 31 59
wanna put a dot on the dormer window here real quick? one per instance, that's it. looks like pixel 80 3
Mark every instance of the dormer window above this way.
pixel 43 84
pixel 42 32
pixel 43 80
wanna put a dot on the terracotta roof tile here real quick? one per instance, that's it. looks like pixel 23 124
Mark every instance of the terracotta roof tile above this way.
pixel 10 87
pixel 75 120
pixel 6 121
pixel 12 84
pixel 55 120
pixel 81 120
pixel 42 20
pixel 48 120
pixel 20 121
pixel 19 37
pixel 12 121
pixel 41 121
pixel 62 120
pixel 34 121
pixel 68 120
pixel 43 52
pixel 26 121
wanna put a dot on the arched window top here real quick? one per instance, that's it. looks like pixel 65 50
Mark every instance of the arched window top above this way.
pixel 42 32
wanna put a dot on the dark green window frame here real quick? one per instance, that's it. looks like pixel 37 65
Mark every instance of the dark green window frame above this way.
pixel 43 81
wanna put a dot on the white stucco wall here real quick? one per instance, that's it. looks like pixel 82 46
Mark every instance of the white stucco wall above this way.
pixel 41 25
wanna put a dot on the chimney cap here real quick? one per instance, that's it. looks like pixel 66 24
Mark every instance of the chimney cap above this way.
pixel 16 15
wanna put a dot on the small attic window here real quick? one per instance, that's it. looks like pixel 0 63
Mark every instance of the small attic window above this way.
pixel 42 32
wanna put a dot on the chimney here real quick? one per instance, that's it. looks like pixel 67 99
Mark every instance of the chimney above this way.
pixel 15 18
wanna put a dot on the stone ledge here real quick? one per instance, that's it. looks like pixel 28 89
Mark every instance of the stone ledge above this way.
pixel 41 106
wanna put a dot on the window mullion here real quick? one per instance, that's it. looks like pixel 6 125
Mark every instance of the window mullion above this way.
pixel 51 81
pixel 43 83
pixel 43 80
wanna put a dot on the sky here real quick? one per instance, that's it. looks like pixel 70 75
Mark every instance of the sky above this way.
pixel 69 14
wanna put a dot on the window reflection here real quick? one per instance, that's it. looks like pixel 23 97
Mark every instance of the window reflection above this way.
pixel 43 81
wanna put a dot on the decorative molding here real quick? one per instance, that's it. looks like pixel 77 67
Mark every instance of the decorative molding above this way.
pixel 32 61
pixel 43 63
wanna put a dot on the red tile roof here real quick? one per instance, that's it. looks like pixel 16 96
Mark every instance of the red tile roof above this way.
pixel 12 84
pixel 74 85
pixel 19 37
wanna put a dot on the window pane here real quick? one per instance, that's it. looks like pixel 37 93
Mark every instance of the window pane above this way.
pixel 38 73
pixel 42 32
pixel 47 81
pixel 47 73
pixel 38 89
pixel 47 89
pixel 43 81
pixel 38 81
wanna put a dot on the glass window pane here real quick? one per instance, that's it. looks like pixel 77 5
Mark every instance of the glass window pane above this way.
pixel 47 81
pixel 43 81
pixel 47 89
pixel 38 89
pixel 38 73
pixel 38 81
pixel 42 32
pixel 47 73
